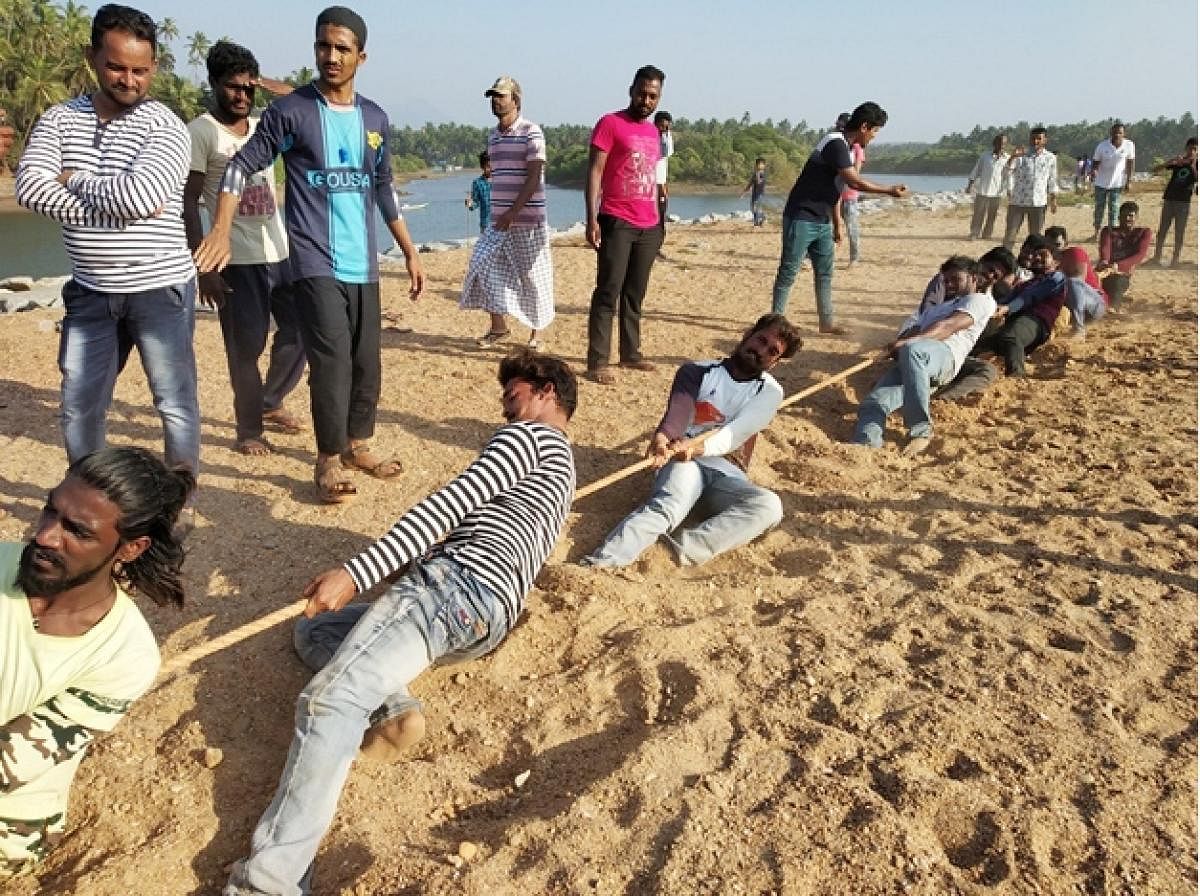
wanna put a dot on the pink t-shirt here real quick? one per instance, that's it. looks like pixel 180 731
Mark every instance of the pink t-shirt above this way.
pixel 857 154
pixel 627 189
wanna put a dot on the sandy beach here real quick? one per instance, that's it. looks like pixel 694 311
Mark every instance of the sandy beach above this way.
pixel 973 672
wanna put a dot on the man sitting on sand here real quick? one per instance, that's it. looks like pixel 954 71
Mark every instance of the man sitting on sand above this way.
pixel 731 401
pixel 1122 249
pixel 498 521
pixel 77 651
pixel 1030 313
pixel 929 352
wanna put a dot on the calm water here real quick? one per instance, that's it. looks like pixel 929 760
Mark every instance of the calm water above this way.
pixel 31 244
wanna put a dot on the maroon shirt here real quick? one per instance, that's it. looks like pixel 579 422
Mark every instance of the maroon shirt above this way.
pixel 1125 249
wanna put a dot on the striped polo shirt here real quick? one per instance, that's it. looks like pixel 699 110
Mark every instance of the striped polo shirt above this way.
pixel 339 171
pixel 122 210
pixel 510 153
pixel 500 517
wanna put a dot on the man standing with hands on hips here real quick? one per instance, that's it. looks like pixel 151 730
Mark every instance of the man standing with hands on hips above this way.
pixel 622 224
pixel 335 154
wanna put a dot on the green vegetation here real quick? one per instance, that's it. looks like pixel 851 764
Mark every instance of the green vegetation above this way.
pixel 955 154
pixel 42 45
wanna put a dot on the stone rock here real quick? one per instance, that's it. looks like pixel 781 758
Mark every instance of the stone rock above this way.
pixel 467 850
pixel 213 756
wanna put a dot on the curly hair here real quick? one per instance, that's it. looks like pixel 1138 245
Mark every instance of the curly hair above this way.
pixel 784 329
pixel 226 58
pixel 539 370
pixel 149 498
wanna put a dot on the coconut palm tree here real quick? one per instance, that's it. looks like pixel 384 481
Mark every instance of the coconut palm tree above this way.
pixel 198 47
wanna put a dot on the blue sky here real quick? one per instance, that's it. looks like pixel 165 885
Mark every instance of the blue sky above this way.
pixel 936 66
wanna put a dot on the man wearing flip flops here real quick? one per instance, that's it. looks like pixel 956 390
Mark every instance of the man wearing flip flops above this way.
pixel 335 153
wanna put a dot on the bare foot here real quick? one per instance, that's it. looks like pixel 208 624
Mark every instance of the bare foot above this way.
pixel 915 446
pixel 387 741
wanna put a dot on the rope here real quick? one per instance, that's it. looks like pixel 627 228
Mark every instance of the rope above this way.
pixel 283 614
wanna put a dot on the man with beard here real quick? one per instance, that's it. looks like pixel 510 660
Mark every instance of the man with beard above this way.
pixel 929 351
pixel 731 401
pixel 622 224
pixel 334 144
pixel 251 290
pixel 75 651
pixel 470 552
pixel 110 167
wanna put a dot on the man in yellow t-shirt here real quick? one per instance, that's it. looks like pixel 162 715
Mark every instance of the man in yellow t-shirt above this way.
pixel 75 651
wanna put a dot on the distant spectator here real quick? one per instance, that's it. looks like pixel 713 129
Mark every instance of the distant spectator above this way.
pixel 1122 249
pixel 1177 200
pixel 1034 175
pixel 991 171
pixel 849 198
pixel 666 148
pixel 480 196
pixel 7 135
pixel 1112 170
pixel 757 188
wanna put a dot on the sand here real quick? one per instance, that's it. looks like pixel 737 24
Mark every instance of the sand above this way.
pixel 972 672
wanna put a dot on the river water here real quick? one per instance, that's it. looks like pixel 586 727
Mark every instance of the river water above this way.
pixel 31 245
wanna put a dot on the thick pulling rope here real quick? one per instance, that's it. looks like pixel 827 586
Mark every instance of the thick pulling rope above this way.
pixel 283 614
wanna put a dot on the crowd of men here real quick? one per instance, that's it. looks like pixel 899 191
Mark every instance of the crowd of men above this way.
pixel 127 180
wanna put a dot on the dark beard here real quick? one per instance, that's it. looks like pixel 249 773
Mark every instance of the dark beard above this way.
pixel 36 584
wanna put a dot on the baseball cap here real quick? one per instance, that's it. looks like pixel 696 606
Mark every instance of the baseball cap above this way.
pixel 504 84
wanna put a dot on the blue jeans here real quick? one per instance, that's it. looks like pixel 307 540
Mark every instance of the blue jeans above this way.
pixel 814 239
pixel 757 212
pixel 1084 303
pixel 919 367
pixel 1108 200
pixel 738 511
pixel 368 654
pixel 97 333
pixel 850 216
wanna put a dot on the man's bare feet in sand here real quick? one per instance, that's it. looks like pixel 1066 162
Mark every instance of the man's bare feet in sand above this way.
pixel 915 446
pixel 387 741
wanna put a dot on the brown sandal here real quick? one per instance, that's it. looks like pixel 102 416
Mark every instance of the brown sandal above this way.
pixel 359 457
pixel 603 375
pixel 332 486
pixel 282 420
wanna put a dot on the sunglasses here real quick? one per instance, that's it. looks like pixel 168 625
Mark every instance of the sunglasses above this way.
pixel 241 88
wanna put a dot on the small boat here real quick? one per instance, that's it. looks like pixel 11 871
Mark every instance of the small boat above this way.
pixel 406 207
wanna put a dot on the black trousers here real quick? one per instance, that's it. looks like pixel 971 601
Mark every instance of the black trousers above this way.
pixel 339 325
pixel 1017 337
pixel 622 274
pixel 1116 285
pixel 259 294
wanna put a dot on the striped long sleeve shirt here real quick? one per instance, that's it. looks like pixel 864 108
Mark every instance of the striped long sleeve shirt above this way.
pixel 122 210
pixel 500 517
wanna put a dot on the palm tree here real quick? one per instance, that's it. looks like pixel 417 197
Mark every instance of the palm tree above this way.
pixel 198 47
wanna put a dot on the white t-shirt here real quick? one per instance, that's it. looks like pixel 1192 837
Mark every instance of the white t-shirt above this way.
pixel 1111 172
pixel 666 144
pixel 257 235
pixel 93 678
pixel 979 306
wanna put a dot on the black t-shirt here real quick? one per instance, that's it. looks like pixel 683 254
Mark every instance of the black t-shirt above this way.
pixel 818 187
pixel 1182 183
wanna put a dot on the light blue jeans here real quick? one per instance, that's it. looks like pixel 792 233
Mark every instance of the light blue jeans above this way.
pixel 814 239
pixel 920 367
pixel 737 511
pixel 368 653
pixel 1107 201
pixel 98 331
pixel 850 216
pixel 1084 303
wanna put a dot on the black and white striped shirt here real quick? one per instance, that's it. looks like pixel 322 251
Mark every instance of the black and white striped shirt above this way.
pixel 122 210
pixel 501 516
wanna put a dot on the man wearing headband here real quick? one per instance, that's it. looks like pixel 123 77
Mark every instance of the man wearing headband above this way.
pixel 335 154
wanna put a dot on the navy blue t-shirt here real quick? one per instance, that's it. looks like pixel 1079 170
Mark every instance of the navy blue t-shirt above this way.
pixel 818 187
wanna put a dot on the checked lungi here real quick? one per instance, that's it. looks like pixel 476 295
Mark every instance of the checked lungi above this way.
pixel 510 272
